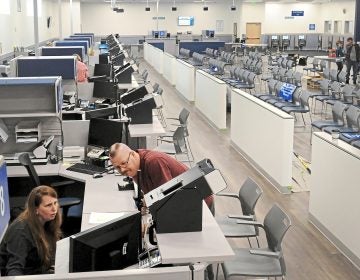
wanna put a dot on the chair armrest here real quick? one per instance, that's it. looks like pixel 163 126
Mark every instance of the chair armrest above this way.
pixel 250 223
pixel 241 217
pixel 63 183
pixel 172 119
pixel 265 253
pixel 167 141
pixel 228 194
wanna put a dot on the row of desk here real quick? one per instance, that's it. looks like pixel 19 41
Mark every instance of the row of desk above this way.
pixel 102 195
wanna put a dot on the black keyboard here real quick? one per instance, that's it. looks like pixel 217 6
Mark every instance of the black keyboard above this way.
pixel 86 168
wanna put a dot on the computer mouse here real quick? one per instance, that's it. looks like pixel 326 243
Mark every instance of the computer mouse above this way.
pixel 97 175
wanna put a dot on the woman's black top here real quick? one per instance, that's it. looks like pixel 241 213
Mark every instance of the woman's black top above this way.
pixel 18 252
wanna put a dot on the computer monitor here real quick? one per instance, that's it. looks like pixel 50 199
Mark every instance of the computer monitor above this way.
pixel 274 37
pixel 110 246
pixel 102 69
pixel 285 37
pixel 104 90
pixel 301 37
pixel 104 113
pixel 104 133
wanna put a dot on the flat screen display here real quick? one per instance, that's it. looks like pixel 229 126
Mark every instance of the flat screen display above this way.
pixel 285 37
pixel 274 37
pixel 302 37
pixel 185 20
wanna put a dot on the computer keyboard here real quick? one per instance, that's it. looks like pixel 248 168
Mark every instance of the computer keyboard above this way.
pixel 86 168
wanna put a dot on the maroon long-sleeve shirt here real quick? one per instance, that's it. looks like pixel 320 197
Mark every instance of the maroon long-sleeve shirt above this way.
pixel 158 168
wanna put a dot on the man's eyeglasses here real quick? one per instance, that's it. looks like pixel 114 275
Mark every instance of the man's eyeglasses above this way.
pixel 125 163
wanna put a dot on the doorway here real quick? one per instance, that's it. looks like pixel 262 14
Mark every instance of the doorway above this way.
pixel 253 32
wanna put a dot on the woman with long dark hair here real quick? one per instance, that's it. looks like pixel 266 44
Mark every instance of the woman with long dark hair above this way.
pixel 29 244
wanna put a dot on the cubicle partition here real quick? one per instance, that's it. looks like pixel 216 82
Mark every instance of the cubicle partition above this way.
pixel 4 198
pixel 169 62
pixel 158 60
pixel 30 109
pixel 81 38
pixel 159 45
pixel 43 66
pixel 87 39
pixel 85 44
pixel 63 51
pixel 185 79
pixel 334 193
pixel 210 95
pixel 263 134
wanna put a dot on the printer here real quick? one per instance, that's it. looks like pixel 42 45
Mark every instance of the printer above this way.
pixel 182 198
pixel 140 111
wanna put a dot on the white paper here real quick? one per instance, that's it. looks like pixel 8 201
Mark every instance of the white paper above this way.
pixel 100 218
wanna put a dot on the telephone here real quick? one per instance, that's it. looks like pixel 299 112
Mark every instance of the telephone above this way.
pixel 150 258
pixel 95 153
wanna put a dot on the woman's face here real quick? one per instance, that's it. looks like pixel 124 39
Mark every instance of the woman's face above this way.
pixel 47 209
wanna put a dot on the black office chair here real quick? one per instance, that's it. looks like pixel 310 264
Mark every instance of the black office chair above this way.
pixel 64 202
pixel 4 75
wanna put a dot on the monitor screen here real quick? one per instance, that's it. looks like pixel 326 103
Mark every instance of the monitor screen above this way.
pixel 185 20
pixel 301 37
pixel 274 37
pixel 162 33
pixel 285 37
pixel 102 69
pixel 104 90
pixel 110 246
pixel 104 133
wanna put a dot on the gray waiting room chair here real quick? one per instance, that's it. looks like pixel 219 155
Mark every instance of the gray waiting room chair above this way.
pixel 248 196
pixel 263 262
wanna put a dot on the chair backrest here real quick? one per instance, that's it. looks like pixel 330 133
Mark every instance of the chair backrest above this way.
pixel 297 79
pixel 326 73
pixel 352 116
pixel 333 74
pixel 25 161
pixel 342 77
pixel 271 85
pixel 347 92
pixel 324 86
pixel 296 96
pixel 249 194
pixel 323 64
pixel 304 99
pixel 183 116
pixel 335 88
pixel 156 87
pixel 179 140
pixel 278 88
pixel 338 111
pixel 276 224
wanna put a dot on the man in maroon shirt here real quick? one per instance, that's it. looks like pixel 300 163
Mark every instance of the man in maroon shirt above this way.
pixel 156 167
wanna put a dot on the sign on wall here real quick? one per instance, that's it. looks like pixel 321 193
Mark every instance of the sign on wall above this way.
pixel 297 13
pixel 312 26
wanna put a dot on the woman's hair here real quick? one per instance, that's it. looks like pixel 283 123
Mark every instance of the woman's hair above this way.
pixel 45 236
pixel 78 57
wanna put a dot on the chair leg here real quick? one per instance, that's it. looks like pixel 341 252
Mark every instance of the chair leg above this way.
pixel 257 241
pixel 249 242
pixel 302 115
pixel 188 147
pixel 217 271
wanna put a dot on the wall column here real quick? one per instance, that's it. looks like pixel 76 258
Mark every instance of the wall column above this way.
pixel 357 21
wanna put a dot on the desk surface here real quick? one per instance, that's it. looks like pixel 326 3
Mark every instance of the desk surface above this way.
pixel 142 130
pixel 102 195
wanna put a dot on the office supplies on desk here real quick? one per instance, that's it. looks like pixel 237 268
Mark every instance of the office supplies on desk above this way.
pixel 73 154
pixel 86 168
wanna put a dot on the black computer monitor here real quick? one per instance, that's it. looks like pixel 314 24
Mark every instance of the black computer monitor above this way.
pixel 104 133
pixel 110 246
pixel 301 37
pixel 104 90
pixel 285 37
pixel 102 69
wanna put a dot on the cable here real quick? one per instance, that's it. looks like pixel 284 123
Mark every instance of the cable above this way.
pixel 191 266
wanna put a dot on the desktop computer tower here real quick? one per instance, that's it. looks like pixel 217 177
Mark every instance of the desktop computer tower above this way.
pixel 103 58
pixel 140 112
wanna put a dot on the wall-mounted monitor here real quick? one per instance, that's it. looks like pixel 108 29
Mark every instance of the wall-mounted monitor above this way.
pixel 185 20
pixel 285 37
pixel 274 37
pixel 301 37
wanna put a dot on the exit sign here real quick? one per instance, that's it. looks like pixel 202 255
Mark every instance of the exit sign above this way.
pixel 297 13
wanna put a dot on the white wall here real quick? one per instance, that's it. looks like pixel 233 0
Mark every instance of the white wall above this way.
pixel 272 16
pixel 99 18
pixel 17 28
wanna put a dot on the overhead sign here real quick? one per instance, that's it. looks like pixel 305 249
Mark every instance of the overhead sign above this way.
pixel 162 18
pixel 297 13
pixel 312 26
pixel 289 17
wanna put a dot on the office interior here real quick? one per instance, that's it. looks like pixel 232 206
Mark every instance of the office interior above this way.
pixel 319 243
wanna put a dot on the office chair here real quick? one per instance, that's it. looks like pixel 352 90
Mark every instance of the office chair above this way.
pixel 176 146
pixel 262 262
pixel 248 196
pixel 4 75
pixel 64 202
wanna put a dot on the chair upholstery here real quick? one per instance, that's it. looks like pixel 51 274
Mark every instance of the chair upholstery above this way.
pixel 248 196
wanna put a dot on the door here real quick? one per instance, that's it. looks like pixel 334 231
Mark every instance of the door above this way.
pixel 253 32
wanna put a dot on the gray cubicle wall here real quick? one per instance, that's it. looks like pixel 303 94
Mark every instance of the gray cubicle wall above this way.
pixel 36 99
